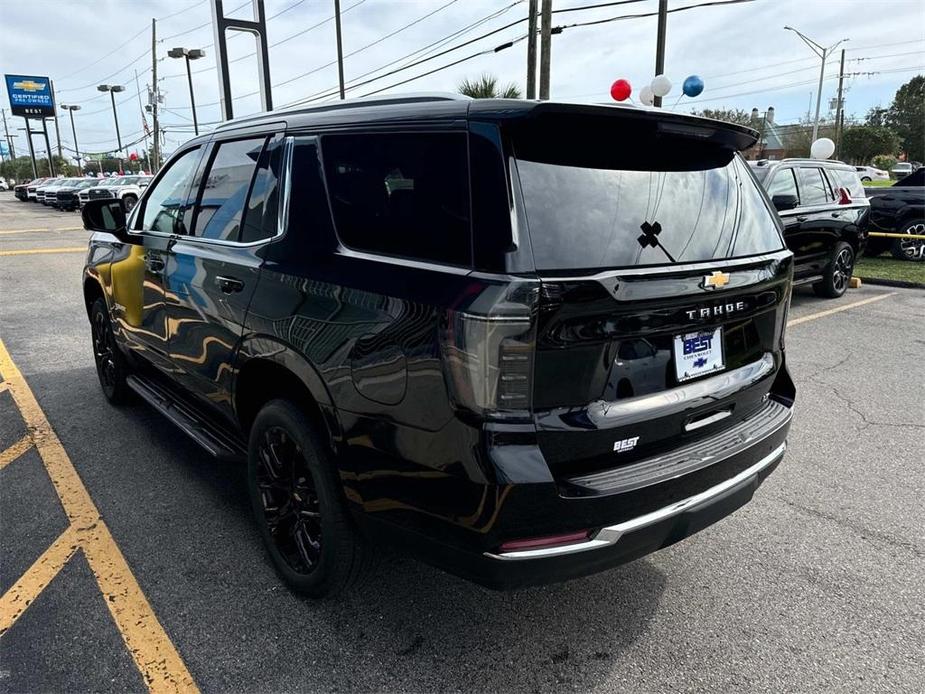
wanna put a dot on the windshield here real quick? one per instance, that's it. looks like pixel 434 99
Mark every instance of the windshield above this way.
pixel 595 218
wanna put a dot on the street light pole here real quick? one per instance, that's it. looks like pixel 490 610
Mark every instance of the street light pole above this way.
pixel 188 55
pixel 70 110
pixel 823 53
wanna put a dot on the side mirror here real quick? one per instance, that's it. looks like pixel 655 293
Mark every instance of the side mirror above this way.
pixel 104 215
pixel 784 202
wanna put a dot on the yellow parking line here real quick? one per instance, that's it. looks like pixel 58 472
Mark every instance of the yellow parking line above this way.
pixel 838 309
pixel 6 232
pixel 14 451
pixel 152 650
pixel 24 592
pixel 30 251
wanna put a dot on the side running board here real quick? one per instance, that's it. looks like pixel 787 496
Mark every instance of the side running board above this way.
pixel 219 442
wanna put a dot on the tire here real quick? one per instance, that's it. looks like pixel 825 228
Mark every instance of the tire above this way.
pixel 111 365
pixel 910 250
pixel 865 179
pixel 128 202
pixel 299 505
pixel 837 273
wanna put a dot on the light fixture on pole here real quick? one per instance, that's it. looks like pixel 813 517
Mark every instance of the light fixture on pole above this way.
pixel 189 54
pixel 70 110
pixel 113 89
pixel 824 54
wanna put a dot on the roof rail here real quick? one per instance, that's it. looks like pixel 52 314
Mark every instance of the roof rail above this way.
pixel 360 102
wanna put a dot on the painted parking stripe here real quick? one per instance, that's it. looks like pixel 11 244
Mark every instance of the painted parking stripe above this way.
pixel 152 650
pixel 14 451
pixel 31 251
pixel 838 309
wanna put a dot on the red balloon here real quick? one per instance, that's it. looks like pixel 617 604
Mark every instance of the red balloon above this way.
pixel 133 156
pixel 621 90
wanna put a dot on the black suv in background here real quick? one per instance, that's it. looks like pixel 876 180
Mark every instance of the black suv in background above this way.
pixel 825 213
pixel 526 340
pixel 899 209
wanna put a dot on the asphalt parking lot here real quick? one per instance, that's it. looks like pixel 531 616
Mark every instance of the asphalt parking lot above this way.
pixel 128 557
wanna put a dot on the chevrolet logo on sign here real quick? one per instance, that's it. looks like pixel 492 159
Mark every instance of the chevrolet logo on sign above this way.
pixel 715 280
pixel 29 86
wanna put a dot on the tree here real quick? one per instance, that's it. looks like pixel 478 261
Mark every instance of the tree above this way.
pixel 730 115
pixel 798 138
pixel 906 116
pixel 861 143
pixel 876 116
pixel 20 168
pixel 487 87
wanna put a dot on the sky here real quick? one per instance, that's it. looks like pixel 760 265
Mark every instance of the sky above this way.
pixel 741 50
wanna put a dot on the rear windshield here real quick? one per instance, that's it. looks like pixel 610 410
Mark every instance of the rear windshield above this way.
pixel 594 217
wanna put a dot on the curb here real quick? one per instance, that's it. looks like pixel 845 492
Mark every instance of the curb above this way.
pixel 893 283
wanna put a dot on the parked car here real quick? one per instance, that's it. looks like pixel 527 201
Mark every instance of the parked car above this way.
pixel 825 214
pixel 870 173
pixel 407 315
pixel 899 209
pixel 32 189
pixel 46 192
pixel 125 188
pixel 902 169
pixel 3 184
pixel 21 192
pixel 67 196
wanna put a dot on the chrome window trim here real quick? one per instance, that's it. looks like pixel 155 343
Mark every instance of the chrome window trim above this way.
pixel 612 534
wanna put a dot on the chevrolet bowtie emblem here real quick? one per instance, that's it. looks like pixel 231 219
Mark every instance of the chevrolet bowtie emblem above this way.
pixel 29 86
pixel 715 280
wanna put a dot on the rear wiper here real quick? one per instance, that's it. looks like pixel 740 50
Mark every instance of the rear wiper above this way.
pixel 649 237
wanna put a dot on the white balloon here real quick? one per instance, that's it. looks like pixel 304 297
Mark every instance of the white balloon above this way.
pixel 661 85
pixel 646 97
pixel 823 148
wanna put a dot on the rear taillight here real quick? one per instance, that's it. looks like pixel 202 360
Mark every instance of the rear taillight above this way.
pixel 488 350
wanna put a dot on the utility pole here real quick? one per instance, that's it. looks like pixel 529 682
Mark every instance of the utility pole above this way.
pixel 660 44
pixel 57 129
pixel 545 48
pixel 156 147
pixel 839 109
pixel 824 54
pixel 144 123
pixel 35 168
pixel 340 50
pixel 9 139
pixel 531 51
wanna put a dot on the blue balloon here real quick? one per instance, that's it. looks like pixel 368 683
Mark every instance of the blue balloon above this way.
pixel 693 85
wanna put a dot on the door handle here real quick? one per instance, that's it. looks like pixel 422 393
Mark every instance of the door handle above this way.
pixel 802 218
pixel 229 285
pixel 836 215
pixel 153 262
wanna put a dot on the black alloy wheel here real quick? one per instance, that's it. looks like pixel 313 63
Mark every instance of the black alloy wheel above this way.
pixel 299 504
pixel 838 273
pixel 913 249
pixel 111 366
pixel 290 503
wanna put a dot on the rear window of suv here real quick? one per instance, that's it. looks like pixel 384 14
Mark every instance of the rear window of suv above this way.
pixel 637 213
pixel 848 179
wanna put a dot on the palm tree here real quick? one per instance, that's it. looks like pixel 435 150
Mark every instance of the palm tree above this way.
pixel 487 87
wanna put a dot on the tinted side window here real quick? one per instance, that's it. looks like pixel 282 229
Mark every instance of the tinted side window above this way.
pixel 401 194
pixel 844 178
pixel 782 183
pixel 165 205
pixel 814 190
pixel 220 207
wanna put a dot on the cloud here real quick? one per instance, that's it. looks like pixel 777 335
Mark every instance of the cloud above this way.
pixel 742 51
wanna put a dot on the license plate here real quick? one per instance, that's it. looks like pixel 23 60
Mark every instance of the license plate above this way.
pixel 696 354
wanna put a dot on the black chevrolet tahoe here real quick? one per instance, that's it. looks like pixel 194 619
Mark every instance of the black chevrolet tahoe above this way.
pixel 527 341
pixel 825 213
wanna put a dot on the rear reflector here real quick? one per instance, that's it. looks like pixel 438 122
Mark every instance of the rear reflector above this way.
pixel 548 541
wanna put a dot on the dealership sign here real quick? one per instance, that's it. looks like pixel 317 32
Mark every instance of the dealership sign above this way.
pixel 30 97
